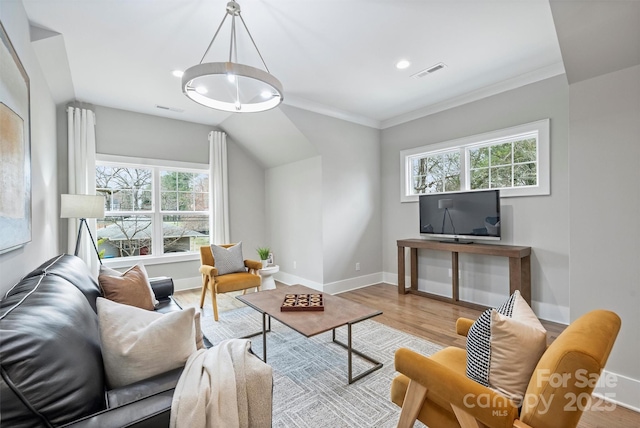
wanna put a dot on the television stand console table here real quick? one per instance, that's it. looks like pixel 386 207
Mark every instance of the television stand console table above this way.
pixel 519 267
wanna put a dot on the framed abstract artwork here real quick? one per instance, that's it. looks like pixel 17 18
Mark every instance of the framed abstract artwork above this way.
pixel 15 149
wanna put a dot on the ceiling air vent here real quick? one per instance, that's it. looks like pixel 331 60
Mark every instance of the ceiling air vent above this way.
pixel 429 70
pixel 177 110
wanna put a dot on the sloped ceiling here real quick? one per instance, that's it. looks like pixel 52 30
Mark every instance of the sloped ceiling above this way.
pixel 52 55
pixel 270 137
pixel 597 37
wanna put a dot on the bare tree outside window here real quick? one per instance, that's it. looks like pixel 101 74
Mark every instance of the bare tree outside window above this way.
pixel 437 173
pixel 129 227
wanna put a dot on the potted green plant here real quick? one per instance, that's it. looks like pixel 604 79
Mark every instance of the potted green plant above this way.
pixel 263 253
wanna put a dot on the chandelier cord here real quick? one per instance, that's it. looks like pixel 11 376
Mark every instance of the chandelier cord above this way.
pixel 233 45
pixel 214 37
pixel 233 39
pixel 254 43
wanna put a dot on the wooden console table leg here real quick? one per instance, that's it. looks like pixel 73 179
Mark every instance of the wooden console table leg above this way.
pixel 414 269
pixel 401 289
pixel 455 278
pixel 520 276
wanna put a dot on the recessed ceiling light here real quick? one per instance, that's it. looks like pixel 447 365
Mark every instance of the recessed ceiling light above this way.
pixel 177 73
pixel 402 64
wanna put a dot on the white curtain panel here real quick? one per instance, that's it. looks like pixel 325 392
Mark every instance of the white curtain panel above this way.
pixel 82 176
pixel 218 188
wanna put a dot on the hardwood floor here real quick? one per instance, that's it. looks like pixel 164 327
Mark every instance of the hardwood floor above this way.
pixel 431 319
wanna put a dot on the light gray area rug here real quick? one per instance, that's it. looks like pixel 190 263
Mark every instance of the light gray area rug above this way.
pixel 310 374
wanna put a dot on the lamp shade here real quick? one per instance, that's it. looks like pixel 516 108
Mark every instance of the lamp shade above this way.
pixel 445 203
pixel 81 206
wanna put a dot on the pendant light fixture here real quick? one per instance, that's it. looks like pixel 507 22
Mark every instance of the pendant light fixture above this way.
pixel 230 86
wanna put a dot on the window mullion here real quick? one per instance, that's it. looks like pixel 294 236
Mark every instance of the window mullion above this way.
pixel 465 169
pixel 158 248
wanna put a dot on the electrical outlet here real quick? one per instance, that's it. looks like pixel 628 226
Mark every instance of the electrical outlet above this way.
pixel 358 266
pixel 450 273
pixel 294 265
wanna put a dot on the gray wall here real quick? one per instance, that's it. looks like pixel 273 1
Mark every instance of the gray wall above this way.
pixel 45 210
pixel 541 222
pixel 604 153
pixel 294 218
pixel 350 177
pixel 125 133
pixel 247 212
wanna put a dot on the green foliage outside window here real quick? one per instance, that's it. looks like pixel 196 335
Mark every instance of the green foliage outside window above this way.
pixel 511 164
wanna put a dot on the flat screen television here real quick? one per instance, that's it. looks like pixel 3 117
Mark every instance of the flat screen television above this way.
pixel 461 216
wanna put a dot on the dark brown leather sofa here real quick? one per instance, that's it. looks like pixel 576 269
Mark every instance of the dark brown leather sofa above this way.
pixel 51 365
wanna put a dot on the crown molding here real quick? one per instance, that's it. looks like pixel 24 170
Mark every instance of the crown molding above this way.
pixel 506 85
pixel 325 110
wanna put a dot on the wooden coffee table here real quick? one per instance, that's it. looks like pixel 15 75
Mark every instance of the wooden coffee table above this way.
pixel 337 313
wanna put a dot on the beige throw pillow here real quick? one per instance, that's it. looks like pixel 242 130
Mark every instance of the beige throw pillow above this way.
pixel 130 288
pixel 138 344
pixel 504 346
pixel 517 344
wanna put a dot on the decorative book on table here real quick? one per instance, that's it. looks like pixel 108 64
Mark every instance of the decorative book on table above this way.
pixel 302 302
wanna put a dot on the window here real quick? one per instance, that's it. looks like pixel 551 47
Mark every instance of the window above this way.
pixel 515 160
pixel 151 210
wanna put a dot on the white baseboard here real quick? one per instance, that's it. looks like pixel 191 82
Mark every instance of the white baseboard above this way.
pixel 353 283
pixel 331 287
pixel 289 279
pixel 618 389
pixel 550 312
pixel 187 283
pixel 392 278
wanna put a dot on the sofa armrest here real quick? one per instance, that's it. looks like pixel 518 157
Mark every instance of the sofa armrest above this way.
pixel 150 412
pixel 162 287
pixel 484 404
pixel 463 325
pixel 145 388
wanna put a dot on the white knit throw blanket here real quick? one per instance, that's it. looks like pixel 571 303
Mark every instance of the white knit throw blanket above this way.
pixel 224 386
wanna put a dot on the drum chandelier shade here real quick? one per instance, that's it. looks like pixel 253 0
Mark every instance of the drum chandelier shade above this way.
pixel 230 86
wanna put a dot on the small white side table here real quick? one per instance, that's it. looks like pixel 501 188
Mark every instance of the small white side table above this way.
pixel 267 273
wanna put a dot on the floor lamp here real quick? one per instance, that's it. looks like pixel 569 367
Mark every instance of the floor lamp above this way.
pixel 82 207
pixel 446 204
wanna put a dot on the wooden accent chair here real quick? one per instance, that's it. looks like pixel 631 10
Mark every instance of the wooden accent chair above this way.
pixel 225 283
pixel 436 390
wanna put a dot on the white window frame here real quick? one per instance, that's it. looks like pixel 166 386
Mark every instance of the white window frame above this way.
pixel 540 127
pixel 155 165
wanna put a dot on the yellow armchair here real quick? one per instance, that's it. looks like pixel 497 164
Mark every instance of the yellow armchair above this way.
pixel 225 283
pixel 436 390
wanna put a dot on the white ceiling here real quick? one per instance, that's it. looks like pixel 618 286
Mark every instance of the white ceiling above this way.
pixel 333 57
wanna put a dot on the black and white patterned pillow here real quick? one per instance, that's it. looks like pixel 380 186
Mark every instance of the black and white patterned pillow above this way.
pixel 479 342
pixel 228 260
